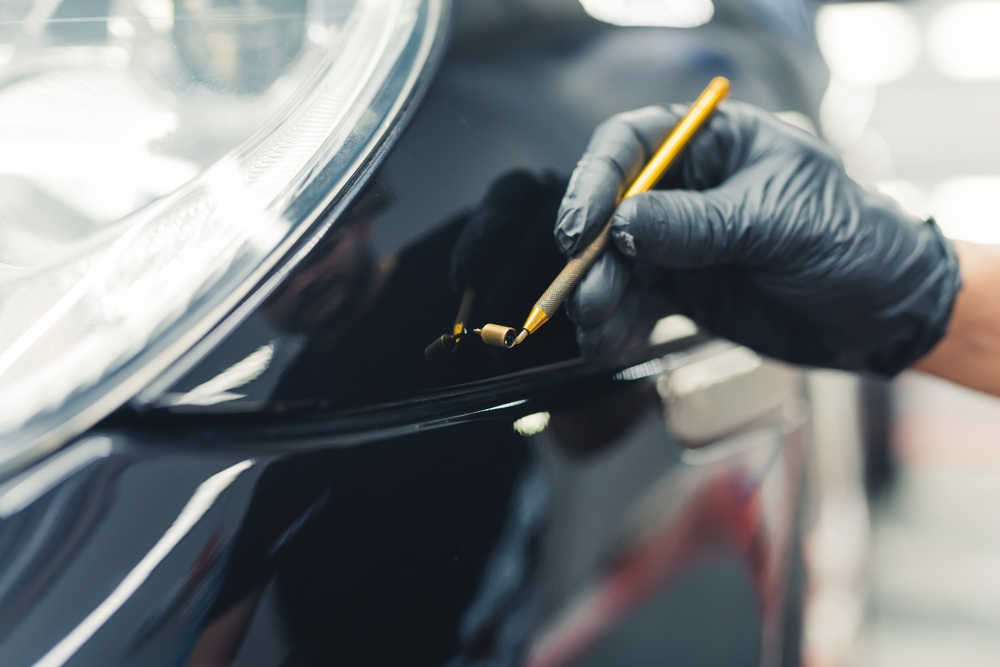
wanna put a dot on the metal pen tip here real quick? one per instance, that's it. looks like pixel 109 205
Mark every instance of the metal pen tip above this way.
pixel 497 335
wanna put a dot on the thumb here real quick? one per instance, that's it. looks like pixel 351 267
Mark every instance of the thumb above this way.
pixel 626 331
pixel 598 293
pixel 681 229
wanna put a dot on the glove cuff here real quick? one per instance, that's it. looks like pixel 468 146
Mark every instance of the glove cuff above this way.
pixel 929 309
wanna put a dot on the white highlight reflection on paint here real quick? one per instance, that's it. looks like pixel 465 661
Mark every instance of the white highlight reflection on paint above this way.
pixel 203 499
pixel 25 489
pixel 662 13
pixel 532 424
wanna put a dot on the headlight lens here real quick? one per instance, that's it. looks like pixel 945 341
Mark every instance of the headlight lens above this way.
pixel 153 170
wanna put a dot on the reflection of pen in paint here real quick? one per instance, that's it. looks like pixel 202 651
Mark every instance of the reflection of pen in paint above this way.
pixel 576 268
pixel 449 342
pixel 492 334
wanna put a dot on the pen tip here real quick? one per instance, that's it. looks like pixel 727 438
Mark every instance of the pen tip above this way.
pixel 520 337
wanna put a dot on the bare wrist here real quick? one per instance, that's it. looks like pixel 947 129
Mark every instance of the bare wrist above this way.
pixel 969 354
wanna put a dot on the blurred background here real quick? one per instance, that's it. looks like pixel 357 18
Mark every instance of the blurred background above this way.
pixel 913 104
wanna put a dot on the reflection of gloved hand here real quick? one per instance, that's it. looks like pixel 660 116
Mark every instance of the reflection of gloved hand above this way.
pixel 506 254
pixel 509 224
pixel 765 241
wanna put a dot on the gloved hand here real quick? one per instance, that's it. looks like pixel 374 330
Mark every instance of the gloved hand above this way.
pixel 760 237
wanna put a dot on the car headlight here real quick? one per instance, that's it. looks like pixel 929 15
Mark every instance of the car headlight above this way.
pixel 156 164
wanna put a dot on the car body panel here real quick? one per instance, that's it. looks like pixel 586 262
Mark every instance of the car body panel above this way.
pixel 529 509
pixel 437 539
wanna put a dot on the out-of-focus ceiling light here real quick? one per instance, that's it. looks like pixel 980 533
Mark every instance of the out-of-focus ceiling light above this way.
pixel 845 112
pixel 868 43
pixel 908 195
pixel 963 40
pixel 665 13
pixel 869 158
pixel 968 208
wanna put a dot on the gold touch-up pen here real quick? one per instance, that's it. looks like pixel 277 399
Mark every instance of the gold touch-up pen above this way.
pixel 576 268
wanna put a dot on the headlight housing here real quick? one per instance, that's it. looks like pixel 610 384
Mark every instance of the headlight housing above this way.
pixel 152 174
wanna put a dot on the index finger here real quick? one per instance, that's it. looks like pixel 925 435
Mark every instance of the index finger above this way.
pixel 618 150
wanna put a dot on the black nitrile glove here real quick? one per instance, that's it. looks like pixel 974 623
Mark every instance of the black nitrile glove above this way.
pixel 763 239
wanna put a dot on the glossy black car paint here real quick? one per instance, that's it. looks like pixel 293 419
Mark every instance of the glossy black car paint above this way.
pixel 362 505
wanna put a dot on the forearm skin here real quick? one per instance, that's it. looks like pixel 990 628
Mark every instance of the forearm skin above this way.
pixel 969 354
